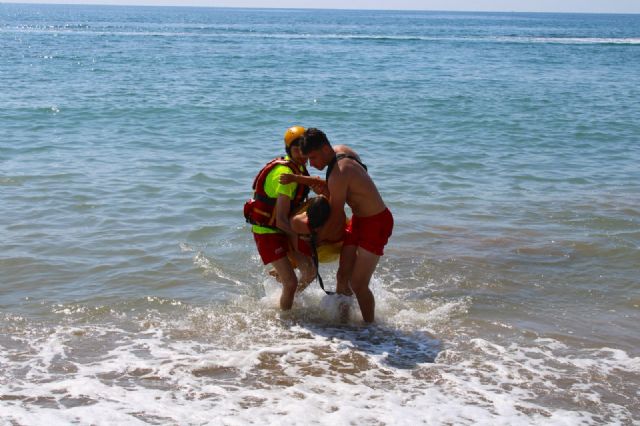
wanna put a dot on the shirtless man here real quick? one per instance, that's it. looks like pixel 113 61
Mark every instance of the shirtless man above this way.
pixel 348 182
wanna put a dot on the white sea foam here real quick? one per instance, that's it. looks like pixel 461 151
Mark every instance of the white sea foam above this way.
pixel 210 267
pixel 564 40
pixel 249 363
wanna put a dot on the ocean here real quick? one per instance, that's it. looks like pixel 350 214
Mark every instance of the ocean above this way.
pixel 507 146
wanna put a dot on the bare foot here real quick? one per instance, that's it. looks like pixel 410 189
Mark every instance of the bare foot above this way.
pixel 302 286
pixel 275 275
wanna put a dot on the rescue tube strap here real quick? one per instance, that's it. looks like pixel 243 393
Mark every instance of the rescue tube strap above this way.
pixel 314 256
pixel 265 199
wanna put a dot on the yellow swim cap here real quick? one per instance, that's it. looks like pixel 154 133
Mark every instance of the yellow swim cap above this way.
pixel 292 134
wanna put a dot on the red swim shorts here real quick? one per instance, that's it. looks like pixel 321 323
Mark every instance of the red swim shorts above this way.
pixel 371 233
pixel 273 247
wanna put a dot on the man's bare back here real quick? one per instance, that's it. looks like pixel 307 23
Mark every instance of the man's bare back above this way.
pixel 361 193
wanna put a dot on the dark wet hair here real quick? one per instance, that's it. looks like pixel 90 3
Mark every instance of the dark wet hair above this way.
pixel 318 212
pixel 296 142
pixel 314 139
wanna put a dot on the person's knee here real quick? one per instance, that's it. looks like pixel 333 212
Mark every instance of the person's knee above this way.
pixel 359 287
pixel 288 293
pixel 289 281
pixel 290 284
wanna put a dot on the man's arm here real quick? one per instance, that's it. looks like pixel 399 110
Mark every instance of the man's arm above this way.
pixel 337 185
pixel 283 206
pixel 318 184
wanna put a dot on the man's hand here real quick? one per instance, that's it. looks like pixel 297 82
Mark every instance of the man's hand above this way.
pixel 320 188
pixel 287 178
pixel 316 183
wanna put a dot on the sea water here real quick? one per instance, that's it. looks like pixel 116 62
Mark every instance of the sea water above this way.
pixel 506 145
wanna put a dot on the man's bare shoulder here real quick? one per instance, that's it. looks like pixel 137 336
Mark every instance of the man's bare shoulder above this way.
pixel 344 149
pixel 348 166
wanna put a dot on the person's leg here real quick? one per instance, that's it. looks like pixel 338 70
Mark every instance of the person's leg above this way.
pixel 365 265
pixel 345 269
pixel 289 282
pixel 343 278
pixel 306 268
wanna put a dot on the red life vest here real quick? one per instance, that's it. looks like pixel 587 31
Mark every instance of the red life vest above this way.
pixel 260 209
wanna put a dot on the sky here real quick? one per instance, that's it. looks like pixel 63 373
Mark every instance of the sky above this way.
pixel 581 6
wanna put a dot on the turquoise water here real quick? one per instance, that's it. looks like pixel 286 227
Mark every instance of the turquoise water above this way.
pixel 506 145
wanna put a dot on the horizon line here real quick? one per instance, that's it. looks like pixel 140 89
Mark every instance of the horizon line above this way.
pixel 99 3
